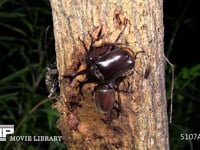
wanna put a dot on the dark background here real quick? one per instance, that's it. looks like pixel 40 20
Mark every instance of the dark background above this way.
pixel 27 47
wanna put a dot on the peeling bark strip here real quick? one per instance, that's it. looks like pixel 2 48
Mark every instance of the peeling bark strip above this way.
pixel 142 123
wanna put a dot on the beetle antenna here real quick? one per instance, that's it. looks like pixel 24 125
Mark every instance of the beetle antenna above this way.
pixel 85 47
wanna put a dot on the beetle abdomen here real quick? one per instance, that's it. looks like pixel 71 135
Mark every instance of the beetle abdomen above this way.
pixel 104 99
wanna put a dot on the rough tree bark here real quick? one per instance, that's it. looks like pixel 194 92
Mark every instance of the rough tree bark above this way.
pixel 142 123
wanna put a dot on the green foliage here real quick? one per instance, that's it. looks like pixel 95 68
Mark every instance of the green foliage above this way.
pixel 181 25
pixel 186 98
pixel 185 105
pixel 23 95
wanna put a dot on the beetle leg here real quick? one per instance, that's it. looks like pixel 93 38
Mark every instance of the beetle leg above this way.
pixel 92 40
pixel 122 79
pixel 135 57
pixel 138 52
pixel 74 75
pixel 118 108
pixel 81 84
pixel 120 34
pixel 85 47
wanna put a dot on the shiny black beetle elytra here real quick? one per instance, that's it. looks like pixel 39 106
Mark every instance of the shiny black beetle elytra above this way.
pixel 106 66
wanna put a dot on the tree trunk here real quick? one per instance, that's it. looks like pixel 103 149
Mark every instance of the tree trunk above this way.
pixel 142 122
